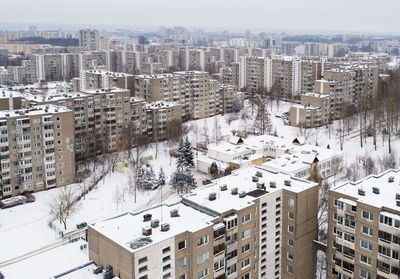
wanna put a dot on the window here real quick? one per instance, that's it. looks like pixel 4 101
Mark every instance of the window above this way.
pixel 289 256
pixel 367 215
pixel 166 267
pixel 365 260
pixel 202 274
pixel 290 229
pixel 365 274
pixel 231 255
pixel 246 218
pixel 182 245
pixel 231 224
pixel 385 220
pixel 202 258
pixel 291 215
pixel 291 202
pixel 367 231
pixel 143 269
pixel 143 277
pixel 231 269
pixel 246 233
pixel 142 260
pixel 183 276
pixel 290 269
pixel 166 276
pixel 246 276
pixel 290 242
pixel 202 240
pixel 165 259
pixel 246 248
pixel 166 250
pixel 366 245
pixel 219 265
pixel 246 263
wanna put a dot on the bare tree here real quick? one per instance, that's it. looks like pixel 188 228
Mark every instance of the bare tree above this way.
pixel 304 132
pixel 63 205
pixel 205 133
pixel 216 130
pixel 173 130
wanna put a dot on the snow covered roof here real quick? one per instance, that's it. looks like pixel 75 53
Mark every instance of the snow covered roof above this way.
pixel 228 148
pixel 127 228
pixel 105 91
pixel 53 97
pixel 242 179
pixel 316 95
pixel 207 160
pixel 287 163
pixel 37 110
pixel 161 104
pixel 386 198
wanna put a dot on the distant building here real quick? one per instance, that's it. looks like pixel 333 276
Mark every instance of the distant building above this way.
pixel 89 38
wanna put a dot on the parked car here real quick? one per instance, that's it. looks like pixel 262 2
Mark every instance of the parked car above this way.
pixel 205 182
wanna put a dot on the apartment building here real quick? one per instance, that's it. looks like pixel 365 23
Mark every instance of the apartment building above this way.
pixel 160 115
pixel 219 231
pixel 314 111
pixel 364 228
pixel 37 149
pixel 230 74
pixel 89 38
pixel 194 91
pixel 100 79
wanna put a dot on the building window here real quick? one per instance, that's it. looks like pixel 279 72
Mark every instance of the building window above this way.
pixel 246 218
pixel 142 260
pixel 167 258
pixel 291 215
pixel 166 276
pixel 202 241
pixel 203 257
pixel 364 274
pixel 246 263
pixel 202 273
pixel 219 265
pixel 166 250
pixel 143 269
pixel 290 269
pixel 289 256
pixel 231 269
pixel 365 260
pixel 290 229
pixel 246 276
pixel 367 215
pixel 366 245
pixel 246 233
pixel 290 242
pixel 367 231
pixel 166 267
pixel 291 202
pixel 182 245
pixel 246 248
pixel 183 276
pixel 182 262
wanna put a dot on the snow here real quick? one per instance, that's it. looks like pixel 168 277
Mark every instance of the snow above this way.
pixel 126 228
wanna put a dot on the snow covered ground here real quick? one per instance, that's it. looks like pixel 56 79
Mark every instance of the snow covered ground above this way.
pixel 24 228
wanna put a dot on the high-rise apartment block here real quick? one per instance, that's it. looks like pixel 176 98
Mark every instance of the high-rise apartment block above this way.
pixel 89 38
pixel 251 224
pixel 364 228
pixel 37 149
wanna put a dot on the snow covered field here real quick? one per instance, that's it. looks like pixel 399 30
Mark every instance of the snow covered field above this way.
pixel 24 228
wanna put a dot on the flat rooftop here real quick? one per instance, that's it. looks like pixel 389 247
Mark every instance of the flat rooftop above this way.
pixel 288 163
pixel 105 91
pixel 387 190
pixel 127 228
pixel 242 180
pixel 37 110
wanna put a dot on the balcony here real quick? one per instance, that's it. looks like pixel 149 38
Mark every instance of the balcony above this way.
pixel 231 246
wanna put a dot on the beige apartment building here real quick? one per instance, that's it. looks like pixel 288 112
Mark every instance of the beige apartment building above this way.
pixel 160 115
pixel 99 79
pixel 37 149
pixel 251 224
pixel 364 228
pixel 314 111
pixel 193 90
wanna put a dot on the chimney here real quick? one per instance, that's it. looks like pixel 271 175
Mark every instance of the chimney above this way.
pixel 147 231
pixel 146 217
pixel 164 227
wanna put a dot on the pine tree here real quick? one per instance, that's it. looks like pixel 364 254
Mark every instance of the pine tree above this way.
pixel 140 177
pixel 188 154
pixel 190 182
pixel 161 178
pixel 181 162
pixel 150 178
pixel 177 181
pixel 214 170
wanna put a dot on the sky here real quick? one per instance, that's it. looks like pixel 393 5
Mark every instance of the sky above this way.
pixel 376 16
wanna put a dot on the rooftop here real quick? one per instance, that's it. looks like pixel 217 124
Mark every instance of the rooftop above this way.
pixel 387 190
pixel 126 229
pixel 37 110
pixel 242 179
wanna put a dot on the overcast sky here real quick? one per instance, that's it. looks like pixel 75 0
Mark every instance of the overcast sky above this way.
pixel 337 15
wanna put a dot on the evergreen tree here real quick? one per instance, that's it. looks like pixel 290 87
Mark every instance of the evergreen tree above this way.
pixel 150 178
pixel 161 178
pixel 140 177
pixel 188 154
pixel 214 170
pixel 181 162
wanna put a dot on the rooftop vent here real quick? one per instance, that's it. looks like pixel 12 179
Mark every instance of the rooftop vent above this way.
pixel 147 231
pixel 155 223
pixel 242 194
pixel 164 227
pixel 361 191
pixel 224 187
pixel 234 191
pixel 255 179
pixel 259 174
pixel 391 179
pixel 375 190
pixel 272 184
pixel 260 185
pixel 146 217
pixel 174 212
pixel 287 182
pixel 212 196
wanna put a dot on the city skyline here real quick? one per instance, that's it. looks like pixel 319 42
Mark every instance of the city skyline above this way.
pixel 289 15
